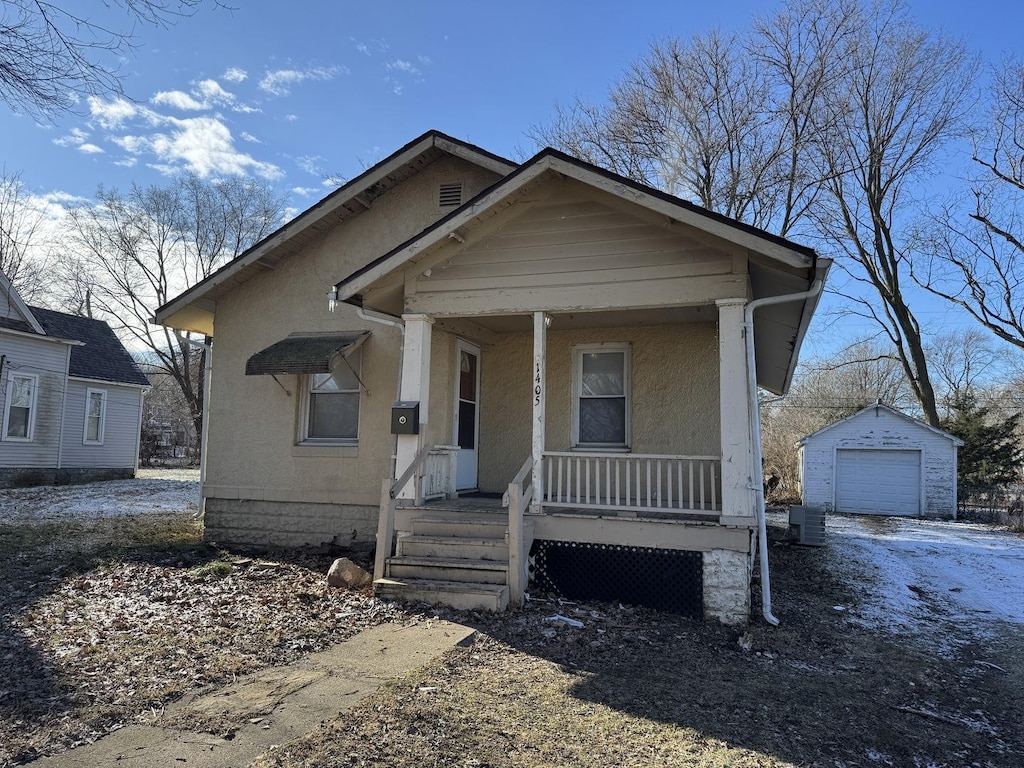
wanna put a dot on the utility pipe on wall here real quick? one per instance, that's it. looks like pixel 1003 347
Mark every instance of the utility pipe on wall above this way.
pixel 756 473
pixel 379 317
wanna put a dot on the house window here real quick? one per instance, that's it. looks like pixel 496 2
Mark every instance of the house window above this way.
pixel 95 416
pixel 20 406
pixel 601 397
pixel 332 402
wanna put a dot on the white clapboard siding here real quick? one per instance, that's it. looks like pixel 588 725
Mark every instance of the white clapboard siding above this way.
pixel 47 360
pixel 582 242
pixel 880 429
pixel 120 433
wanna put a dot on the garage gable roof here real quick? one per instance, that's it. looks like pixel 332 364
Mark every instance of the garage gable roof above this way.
pixel 883 407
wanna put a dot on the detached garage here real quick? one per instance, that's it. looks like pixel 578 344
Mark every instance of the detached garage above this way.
pixel 880 462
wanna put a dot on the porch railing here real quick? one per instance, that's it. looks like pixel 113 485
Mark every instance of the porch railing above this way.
pixel 633 482
pixel 432 471
pixel 517 498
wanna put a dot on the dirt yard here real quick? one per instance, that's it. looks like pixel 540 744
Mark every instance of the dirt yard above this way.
pixel 891 651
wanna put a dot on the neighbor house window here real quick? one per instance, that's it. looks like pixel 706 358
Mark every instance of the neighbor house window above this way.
pixel 95 416
pixel 601 400
pixel 332 402
pixel 20 406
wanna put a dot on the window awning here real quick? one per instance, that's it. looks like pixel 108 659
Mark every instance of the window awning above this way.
pixel 304 354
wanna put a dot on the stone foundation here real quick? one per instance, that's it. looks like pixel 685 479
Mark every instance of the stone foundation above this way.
pixel 23 477
pixel 727 586
pixel 270 524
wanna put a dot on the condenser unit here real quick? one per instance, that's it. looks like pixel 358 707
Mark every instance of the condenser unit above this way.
pixel 808 523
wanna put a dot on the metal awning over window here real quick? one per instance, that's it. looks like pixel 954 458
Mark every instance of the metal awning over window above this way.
pixel 304 354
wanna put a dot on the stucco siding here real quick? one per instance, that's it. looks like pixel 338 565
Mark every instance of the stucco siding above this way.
pixel 120 428
pixel 254 420
pixel 48 361
pixel 675 408
pixel 880 430
pixel 258 523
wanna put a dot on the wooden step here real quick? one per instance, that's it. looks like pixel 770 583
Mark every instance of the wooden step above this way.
pixel 457 594
pixel 449 547
pixel 448 569
pixel 462 526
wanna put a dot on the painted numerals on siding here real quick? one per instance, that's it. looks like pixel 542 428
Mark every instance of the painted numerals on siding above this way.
pixel 538 384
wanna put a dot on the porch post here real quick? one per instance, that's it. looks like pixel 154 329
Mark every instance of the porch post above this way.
pixel 415 387
pixel 539 399
pixel 734 410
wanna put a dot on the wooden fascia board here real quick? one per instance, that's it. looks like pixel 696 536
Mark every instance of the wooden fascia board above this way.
pixel 351 287
pixel 821 273
pixel 21 306
pixel 110 382
pixel 501 167
pixel 42 337
pixel 915 422
pixel 699 221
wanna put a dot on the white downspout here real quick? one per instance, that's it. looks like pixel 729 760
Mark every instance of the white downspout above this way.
pixel 204 438
pixel 756 472
pixel 379 317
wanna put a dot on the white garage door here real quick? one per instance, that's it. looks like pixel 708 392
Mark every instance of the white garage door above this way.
pixel 878 482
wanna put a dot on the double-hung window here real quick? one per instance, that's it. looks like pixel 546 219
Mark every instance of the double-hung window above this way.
pixel 601 396
pixel 95 416
pixel 20 406
pixel 332 402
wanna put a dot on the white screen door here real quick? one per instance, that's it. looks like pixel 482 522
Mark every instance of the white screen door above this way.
pixel 467 414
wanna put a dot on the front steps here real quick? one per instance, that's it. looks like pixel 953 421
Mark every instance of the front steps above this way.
pixel 454 558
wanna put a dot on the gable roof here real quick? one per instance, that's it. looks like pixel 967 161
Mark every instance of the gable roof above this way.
pixel 193 309
pixel 28 322
pixel 883 407
pixel 552 160
pixel 100 356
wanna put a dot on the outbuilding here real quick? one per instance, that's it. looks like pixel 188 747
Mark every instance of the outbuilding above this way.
pixel 880 461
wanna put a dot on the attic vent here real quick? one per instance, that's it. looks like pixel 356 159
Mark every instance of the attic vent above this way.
pixel 450 195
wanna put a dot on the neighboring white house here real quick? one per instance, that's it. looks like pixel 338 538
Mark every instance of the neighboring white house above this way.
pixel 71 397
pixel 880 462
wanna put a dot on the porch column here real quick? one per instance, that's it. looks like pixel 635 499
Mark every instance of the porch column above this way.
pixel 734 410
pixel 416 387
pixel 539 400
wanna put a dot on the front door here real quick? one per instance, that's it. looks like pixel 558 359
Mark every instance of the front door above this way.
pixel 467 414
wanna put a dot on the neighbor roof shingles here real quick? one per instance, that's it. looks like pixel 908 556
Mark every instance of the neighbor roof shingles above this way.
pixel 102 355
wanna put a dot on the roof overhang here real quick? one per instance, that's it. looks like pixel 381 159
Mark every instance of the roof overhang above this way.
pixel 550 161
pixel 16 301
pixel 193 310
pixel 304 353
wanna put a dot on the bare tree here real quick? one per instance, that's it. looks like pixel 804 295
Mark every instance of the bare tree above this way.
pixel 139 250
pixel 22 250
pixel 817 122
pixel 48 52
pixel 976 260
pixel 965 362
pixel 901 96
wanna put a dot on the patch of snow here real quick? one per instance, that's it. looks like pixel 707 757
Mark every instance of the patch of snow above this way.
pixel 153 492
pixel 945 581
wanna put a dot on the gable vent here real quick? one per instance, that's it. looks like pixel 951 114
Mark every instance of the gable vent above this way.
pixel 450 195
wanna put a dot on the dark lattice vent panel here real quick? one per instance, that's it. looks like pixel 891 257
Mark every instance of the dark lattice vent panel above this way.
pixel 663 579
pixel 450 195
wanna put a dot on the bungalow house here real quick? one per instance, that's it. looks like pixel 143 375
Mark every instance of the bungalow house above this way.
pixel 71 397
pixel 539 371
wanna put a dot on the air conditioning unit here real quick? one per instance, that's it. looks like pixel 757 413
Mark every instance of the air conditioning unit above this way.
pixel 808 524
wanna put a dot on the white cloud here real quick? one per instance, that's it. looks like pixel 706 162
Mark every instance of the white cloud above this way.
pixel 281 81
pixel 76 138
pixel 178 100
pixel 310 163
pixel 127 162
pixel 90 149
pixel 291 118
pixel 305 191
pixel 246 136
pixel 112 114
pixel 400 65
pixel 205 145
pixel 235 75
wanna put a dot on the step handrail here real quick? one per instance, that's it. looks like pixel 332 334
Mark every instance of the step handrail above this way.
pixel 415 464
pixel 518 499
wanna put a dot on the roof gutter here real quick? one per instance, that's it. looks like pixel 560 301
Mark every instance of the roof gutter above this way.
pixel 756 472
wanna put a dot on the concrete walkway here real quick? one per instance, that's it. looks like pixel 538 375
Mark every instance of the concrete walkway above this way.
pixel 273 706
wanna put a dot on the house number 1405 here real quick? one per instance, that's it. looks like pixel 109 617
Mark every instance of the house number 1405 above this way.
pixel 537 387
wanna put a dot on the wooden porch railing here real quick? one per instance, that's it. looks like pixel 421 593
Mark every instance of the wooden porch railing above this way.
pixel 517 498
pixel 632 482
pixel 433 471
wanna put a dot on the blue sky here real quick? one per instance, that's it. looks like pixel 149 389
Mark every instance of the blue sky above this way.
pixel 299 91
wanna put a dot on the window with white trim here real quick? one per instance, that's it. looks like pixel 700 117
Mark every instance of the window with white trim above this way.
pixel 95 416
pixel 20 406
pixel 601 396
pixel 331 408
